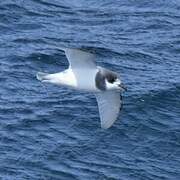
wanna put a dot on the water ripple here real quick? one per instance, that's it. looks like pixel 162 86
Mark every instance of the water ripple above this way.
pixel 49 132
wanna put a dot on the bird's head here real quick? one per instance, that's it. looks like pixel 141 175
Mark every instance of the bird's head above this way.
pixel 114 83
pixel 108 80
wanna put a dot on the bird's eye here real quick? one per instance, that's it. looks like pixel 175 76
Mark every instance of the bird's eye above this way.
pixel 111 80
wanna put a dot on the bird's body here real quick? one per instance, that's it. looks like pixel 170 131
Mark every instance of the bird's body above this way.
pixel 84 75
pixel 71 79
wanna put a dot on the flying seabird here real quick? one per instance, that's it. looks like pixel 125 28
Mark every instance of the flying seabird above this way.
pixel 83 74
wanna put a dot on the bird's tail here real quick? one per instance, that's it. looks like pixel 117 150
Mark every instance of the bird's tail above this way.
pixel 42 76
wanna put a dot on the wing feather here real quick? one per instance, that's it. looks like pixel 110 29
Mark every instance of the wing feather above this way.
pixel 109 104
pixel 80 59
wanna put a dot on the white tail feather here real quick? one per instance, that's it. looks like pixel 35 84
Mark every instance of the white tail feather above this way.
pixel 42 76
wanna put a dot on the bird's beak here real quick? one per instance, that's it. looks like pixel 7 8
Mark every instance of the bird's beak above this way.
pixel 123 87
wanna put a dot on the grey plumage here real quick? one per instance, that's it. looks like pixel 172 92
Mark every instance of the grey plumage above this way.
pixel 103 75
pixel 83 74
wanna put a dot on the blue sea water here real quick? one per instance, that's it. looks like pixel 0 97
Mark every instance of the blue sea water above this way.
pixel 52 133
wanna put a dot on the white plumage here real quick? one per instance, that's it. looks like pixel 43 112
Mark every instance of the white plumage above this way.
pixel 83 74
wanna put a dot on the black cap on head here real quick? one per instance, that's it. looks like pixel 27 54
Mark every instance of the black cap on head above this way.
pixel 103 75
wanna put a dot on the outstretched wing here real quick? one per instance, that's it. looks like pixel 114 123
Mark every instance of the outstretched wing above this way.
pixel 109 104
pixel 80 59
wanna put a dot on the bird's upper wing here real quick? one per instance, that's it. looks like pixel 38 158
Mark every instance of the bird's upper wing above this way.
pixel 109 104
pixel 80 59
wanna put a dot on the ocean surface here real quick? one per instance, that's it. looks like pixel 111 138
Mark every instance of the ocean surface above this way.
pixel 53 133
